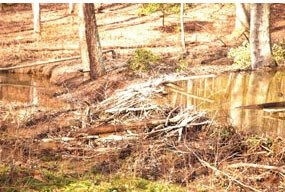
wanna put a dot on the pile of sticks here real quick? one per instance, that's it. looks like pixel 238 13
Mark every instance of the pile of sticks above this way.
pixel 135 108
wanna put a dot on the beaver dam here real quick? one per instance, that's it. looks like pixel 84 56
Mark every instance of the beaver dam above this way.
pixel 179 129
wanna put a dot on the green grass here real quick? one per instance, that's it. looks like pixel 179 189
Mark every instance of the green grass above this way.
pixel 117 184
pixel 18 179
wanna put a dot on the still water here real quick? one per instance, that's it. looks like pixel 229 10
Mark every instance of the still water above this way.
pixel 26 92
pixel 229 91
pixel 219 96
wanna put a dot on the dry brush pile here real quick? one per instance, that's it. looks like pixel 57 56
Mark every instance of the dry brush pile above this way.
pixel 158 141
pixel 131 133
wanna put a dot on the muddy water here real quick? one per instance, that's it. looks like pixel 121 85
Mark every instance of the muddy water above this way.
pixel 22 91
pixel 229 91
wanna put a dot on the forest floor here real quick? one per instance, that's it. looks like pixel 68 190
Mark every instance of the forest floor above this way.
pixel 209 157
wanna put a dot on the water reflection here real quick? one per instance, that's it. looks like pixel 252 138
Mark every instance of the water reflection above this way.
pixel 27 92
pixel 233 90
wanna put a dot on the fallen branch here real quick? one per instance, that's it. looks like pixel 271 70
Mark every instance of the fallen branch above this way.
pixel 130 109
pixel 49 49
pixel 219 172
pixel 252 165
pixel 102 129
pixel 39 63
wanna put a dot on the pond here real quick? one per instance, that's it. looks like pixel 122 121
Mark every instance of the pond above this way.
pixel 221 96
pixel 27 93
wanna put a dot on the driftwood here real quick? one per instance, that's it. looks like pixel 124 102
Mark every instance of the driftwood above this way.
pixel 39 63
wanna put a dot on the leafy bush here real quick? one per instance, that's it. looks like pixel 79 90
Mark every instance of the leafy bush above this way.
pixel 182 65
pixel 278 53
pixel 167 8
pixel 241 54
pixel 142 59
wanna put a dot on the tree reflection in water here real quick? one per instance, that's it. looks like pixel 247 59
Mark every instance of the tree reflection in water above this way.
pixel 230 91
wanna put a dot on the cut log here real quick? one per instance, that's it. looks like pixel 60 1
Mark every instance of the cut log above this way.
pixel 102 129
pixel 107 129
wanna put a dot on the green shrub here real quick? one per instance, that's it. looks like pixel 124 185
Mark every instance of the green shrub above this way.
pixel 278 53
pixel 142 59
pixel 241 54
pixel 182 65
pixel 167 8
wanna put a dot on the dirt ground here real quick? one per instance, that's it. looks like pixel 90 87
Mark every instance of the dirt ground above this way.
pixel 40 139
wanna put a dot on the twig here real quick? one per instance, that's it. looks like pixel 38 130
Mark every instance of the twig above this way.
pixel 128 109
pixel 168 116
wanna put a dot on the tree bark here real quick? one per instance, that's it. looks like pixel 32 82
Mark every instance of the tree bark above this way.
pixel 260 41
pixel 37 18
pixel 182 27
pixel 242 17
pixel 71 7
pixel 91 52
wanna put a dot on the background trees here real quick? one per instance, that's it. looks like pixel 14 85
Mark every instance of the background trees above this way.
pixel 255 19
pixel 242 18
pixel 260 41
pixel 37 18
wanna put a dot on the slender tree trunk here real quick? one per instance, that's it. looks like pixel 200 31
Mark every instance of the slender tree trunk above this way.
pixel 242 17
pixel 163 16
pixel 242 20
pixel 182 27
pixel 71 7
pixel 37 17
pixel 260 41
pixel 91 52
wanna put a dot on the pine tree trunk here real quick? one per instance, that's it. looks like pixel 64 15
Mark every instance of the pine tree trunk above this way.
pixel 91 52
pixel 260 41
pixel 37 17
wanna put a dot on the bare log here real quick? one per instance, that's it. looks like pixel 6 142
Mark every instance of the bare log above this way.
pixel 102 129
